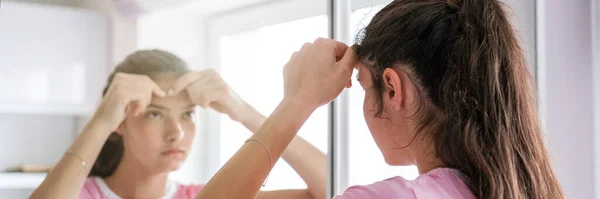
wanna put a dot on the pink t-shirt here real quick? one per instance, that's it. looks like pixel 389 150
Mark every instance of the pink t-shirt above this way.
pixel 96 188
pixel 437 183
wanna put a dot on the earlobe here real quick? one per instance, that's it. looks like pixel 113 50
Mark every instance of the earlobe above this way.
pixel 392 89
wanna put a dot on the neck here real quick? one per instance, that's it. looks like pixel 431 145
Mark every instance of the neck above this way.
pixel 426 166
pixel 130 180
pixel 424 156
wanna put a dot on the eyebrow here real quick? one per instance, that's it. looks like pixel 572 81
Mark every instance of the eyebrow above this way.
pixel 166 109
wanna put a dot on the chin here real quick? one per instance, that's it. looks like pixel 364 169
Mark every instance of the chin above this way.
pixel 168 165
pixel 395 160
pixel 175 165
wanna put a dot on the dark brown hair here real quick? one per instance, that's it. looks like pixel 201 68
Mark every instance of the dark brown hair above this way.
pixel 145 62
pixel 478 102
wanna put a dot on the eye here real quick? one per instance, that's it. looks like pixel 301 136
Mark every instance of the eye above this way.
pixel 189 115
pixel 153 115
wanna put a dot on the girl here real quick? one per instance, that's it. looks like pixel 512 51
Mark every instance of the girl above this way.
pixel 446 89
pixel 140 133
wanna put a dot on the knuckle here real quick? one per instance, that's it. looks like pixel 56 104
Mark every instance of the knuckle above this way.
pixel 306 45
pixel 320 40
pixel 145 78
pixel 119 76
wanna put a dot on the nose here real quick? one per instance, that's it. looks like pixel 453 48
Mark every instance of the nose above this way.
pixel 174 131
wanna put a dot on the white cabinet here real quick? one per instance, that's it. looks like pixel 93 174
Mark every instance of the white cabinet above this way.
pixel 53 67
pixel 53 60
pixel 21 180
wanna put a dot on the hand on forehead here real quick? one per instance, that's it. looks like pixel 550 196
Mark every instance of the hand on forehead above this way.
pixel 165 82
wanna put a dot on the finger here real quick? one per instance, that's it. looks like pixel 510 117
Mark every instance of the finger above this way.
pixel 156 90
pixel 145 83
pixel 200 97
pixel 142 103
pixel 306 46
pixel 205 90
pixel 183 82
pixel 349 60
pixel 339 48
pixel 128 109
pixel 132 108
pixel 212 96
pixel 138 108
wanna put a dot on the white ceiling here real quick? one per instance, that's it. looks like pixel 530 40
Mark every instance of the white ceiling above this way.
pixel 202 7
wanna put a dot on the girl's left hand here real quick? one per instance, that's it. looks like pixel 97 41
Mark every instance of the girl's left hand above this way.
pixel 208 89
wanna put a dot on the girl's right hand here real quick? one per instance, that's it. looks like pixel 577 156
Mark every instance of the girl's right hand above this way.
pixel 127 94
pixel 318 73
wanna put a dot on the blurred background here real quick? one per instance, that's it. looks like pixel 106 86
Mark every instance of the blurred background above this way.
pixel 56 56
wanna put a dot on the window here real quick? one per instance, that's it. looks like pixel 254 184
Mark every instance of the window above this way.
pixel 251 62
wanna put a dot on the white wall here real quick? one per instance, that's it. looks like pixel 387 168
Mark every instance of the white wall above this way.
pixel 595 9
pixel 567 61
pixel 53 2
pixel 123 31
pixel 523 12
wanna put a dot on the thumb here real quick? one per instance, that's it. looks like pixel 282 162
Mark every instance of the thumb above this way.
pixel 349 60
pixel 183 82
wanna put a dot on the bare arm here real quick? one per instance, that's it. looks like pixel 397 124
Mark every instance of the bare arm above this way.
pixel 243 175
pixel 307 160
pixel 312 77
pixel 68 176
pixel 208 89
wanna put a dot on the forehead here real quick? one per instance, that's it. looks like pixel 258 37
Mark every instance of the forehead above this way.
pixel 360 67
pixel 181 100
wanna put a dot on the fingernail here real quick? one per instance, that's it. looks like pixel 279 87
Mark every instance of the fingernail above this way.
pixel 169 92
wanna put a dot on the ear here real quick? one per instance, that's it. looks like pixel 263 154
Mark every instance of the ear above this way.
pixel 393 89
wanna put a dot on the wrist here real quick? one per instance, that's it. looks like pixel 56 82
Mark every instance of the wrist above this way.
pixel 106 120
pixel 98 127
pixel 299 104
pixel 247 113
pixel 300 108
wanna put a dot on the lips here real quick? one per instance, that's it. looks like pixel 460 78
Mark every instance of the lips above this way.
pixel 173 152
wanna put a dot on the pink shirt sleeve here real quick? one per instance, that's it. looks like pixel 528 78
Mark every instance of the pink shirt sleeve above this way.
pixel 438 183
pixel 188 191
pixel 91 190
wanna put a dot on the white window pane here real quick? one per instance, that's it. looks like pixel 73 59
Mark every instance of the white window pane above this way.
pixel 366 161
pixel 252 62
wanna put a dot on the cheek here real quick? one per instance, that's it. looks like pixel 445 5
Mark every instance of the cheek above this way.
pixel 369 108
pixel 377 126
pixel 146 134
pixel 189 130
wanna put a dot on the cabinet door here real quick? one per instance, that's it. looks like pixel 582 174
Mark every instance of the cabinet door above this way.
pixel 51 57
